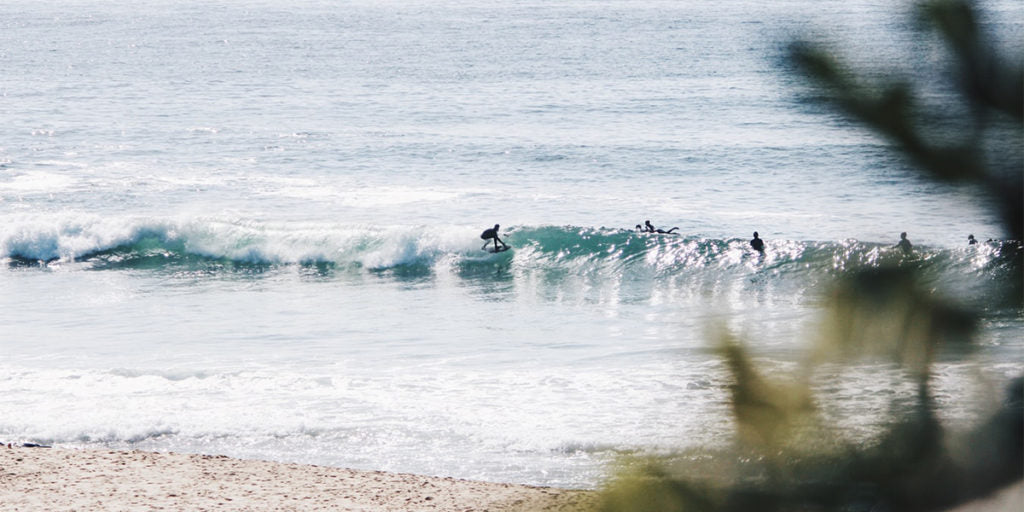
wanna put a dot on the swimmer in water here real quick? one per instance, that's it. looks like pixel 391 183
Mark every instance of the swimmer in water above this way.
pixel 757 243
pixel 905 244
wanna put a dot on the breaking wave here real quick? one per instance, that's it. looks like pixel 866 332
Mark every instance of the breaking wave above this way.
pixel 555 252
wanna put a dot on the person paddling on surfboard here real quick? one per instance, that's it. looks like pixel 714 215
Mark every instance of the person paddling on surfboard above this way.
pixel 649 228
pixel 490 234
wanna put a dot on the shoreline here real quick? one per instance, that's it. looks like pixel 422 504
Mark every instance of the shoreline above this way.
pixel 56 479
pixel 40 478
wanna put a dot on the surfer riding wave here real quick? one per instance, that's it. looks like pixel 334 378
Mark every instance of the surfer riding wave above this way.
pixel 492 234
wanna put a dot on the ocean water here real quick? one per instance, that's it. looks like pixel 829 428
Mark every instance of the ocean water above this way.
pixel 252 228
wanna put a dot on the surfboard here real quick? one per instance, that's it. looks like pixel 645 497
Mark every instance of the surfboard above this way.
pixel 499 249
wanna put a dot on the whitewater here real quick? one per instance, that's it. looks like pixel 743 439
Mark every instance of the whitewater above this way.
pixel 252 228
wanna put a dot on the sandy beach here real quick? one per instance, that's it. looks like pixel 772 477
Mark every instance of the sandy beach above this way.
pixel 54 479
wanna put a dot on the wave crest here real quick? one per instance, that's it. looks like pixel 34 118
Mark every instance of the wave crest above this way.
pixel 593 253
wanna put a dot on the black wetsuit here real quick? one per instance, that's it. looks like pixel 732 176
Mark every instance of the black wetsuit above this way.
pixel 492 234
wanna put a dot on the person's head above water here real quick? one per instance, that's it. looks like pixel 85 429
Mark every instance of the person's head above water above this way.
pixel 903 235
pixel 496 227
pixel 755 234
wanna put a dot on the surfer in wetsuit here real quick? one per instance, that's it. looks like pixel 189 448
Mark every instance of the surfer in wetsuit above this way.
pixel 905 244
pixel 490 234
pixel 971 240
pixel 757 243
pixel 649 228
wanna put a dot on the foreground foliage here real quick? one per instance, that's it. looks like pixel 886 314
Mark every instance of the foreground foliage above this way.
pixel 785 456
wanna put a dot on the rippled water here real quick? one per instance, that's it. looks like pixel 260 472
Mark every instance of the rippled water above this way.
pixel 252 228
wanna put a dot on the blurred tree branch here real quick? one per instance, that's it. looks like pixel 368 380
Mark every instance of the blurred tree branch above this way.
pixel 785 458
pixel 991 87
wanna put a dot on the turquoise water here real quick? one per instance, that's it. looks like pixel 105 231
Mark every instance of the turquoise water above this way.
pixel 253 228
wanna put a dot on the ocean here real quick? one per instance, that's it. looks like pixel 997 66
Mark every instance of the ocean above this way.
pixel 251 228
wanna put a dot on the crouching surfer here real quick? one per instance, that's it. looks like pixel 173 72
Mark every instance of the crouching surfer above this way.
pixel 492 234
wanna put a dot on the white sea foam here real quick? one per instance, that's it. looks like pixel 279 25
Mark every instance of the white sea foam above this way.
pixel 65 236
pixel 37 182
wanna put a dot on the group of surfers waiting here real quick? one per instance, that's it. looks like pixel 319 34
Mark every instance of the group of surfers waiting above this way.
pixel 758 244
pixel 491 234
pixel 909 247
